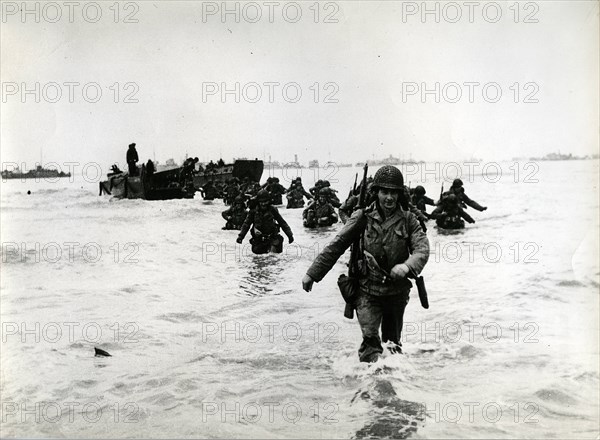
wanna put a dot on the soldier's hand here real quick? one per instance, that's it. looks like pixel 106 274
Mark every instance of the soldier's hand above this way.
pixel 399 271
pixel 239 240
pixel 291 239
pixel 307 283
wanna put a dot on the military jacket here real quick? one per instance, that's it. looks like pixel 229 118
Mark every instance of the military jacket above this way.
pixel 394 240
pixel 267 222
pixel 325 210
pixel 421 202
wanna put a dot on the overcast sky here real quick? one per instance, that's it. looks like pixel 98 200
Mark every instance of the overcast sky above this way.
pixel 173 54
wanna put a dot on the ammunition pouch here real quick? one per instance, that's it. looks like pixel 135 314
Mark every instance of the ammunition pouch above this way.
pixel 350 290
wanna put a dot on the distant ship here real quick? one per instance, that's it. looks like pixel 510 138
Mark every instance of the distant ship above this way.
pixel 390 160
pixel 313 164
pixel 559 156
pixel 38 173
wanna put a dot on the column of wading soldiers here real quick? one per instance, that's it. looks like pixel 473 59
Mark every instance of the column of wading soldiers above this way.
pixel 391 230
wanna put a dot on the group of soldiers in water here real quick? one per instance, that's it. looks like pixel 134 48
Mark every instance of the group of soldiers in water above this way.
pixel 252 204
pixel 320 206
pixel 449 210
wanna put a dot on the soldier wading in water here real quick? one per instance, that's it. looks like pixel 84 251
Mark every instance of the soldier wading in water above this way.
pixel 394 246
pixel 263 221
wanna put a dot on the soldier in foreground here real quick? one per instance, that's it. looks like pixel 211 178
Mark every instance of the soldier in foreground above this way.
pixel 393 247
pixel 264 222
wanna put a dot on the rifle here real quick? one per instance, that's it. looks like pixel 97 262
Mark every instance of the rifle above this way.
pixel 354 188
pixel 353 267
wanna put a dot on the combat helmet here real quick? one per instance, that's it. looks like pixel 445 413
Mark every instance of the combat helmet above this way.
pixel 324 192
pixel 263 196
pixel 388 176
pixel 419 190
pixel 457 182
pixel 451 199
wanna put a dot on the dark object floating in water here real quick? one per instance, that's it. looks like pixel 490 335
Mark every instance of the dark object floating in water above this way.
pixel 100 352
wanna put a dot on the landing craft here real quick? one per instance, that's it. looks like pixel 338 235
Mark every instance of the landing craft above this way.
pixel 241 168
pixel 167 184
pixel 162 185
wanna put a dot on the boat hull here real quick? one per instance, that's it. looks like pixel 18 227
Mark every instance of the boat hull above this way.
pixel 160 186
pixel 252 169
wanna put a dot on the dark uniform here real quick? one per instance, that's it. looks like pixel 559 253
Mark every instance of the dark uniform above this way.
pixel 209 191
pixel 330 194
pixel 264 223
pixel 296 196
pixel 420 200
pixel 232 190
pixel 315 189
pixel 451 215
pixel 459 191
pixel 348 207
pixel 235 215
pixel 392 241
pixel 464 199
pixel 132 160
pixel 276 190
pixel 319 213
pixel 150 167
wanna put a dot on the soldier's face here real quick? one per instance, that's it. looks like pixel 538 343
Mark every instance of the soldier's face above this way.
pixel 388 198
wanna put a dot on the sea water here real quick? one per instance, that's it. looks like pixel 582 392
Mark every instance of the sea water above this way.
pixel 208 340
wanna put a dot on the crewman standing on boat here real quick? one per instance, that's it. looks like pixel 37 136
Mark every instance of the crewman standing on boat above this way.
pixel 132 160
